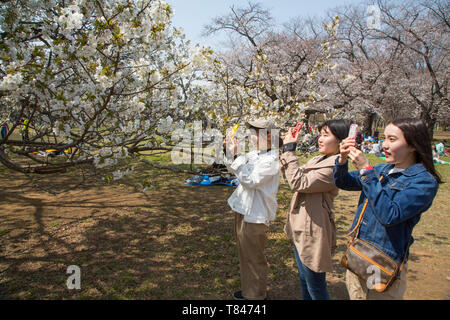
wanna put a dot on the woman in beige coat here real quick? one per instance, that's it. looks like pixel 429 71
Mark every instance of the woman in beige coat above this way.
pixel 310 222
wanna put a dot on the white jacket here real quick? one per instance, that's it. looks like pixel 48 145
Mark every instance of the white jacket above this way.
pixel 258 173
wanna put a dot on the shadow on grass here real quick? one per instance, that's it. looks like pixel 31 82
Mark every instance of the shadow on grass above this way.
pixel 171 242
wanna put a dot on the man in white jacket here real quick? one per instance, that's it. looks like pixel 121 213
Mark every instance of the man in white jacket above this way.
pixel 255 205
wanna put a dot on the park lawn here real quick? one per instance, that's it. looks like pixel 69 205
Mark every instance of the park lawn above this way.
pixel 172 241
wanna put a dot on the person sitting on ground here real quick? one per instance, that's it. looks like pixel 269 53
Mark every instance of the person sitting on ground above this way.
pixel 436 157
pixel 440 148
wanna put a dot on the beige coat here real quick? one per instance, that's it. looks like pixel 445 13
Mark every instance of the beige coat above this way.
pixel 310 222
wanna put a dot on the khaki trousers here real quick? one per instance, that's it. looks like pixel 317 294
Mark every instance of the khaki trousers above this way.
pixel 357 288
pixel 251 240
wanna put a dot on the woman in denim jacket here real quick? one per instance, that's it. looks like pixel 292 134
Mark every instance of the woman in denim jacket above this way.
pixel 407 188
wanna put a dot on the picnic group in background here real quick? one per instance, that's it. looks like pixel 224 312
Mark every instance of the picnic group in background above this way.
pixel 24 126
pixel 370 144
pixel 440 150
pixel 393 196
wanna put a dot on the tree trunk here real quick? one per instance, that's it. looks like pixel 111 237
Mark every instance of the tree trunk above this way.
pixel 367 124
pixel 430 122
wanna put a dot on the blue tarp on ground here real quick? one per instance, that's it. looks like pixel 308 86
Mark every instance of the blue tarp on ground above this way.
pixel 205 180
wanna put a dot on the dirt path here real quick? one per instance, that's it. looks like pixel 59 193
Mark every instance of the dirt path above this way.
pixel 171 242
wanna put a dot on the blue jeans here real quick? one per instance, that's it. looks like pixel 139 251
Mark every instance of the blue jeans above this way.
pixel 313 284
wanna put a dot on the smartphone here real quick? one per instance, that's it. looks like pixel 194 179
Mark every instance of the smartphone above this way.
pixel 297 129
pixel 352 133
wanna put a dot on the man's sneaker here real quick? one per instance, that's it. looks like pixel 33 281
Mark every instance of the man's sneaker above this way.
pixel 238 296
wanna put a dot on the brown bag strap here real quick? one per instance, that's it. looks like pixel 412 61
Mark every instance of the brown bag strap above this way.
pixel 358 224
pixel 356 228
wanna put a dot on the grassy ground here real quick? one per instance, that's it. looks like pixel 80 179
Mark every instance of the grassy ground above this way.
pixel 172 241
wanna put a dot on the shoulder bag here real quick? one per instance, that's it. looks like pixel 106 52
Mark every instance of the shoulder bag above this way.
pixel 366 260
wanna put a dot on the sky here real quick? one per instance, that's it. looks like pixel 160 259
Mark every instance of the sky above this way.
pixel 192 15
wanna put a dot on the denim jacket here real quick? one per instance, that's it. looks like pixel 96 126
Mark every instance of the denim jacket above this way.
pixel 395 203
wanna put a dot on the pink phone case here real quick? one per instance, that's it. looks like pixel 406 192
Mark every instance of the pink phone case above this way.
pixel 297 129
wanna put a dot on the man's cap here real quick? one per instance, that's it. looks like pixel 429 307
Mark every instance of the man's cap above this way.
pixel 260 123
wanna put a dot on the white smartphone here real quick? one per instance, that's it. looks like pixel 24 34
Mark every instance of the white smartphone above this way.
pixel 352 133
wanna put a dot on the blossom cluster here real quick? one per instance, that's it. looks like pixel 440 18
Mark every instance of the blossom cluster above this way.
pixel 98 76
pixel 269 85
pixel 11 81
pixel 111 77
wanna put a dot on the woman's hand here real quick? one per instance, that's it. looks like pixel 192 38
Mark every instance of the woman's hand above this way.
pixel 358 158
pixel 344 149
pixel 288 138
pixel 231 144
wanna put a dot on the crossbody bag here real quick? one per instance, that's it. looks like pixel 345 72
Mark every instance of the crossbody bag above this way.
pixel 366 260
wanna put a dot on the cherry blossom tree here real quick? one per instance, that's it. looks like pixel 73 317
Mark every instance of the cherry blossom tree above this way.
pixel 105 82
pixel 268 73
pixel 421 29
pixel 98 81
pixel 396 67
pixel 363 84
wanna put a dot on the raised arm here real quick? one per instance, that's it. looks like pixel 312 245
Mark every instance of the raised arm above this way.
pixel 346 180
pixel 302 180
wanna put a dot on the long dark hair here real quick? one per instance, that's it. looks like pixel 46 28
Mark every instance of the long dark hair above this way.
pixel 339 128
pixel 416 135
